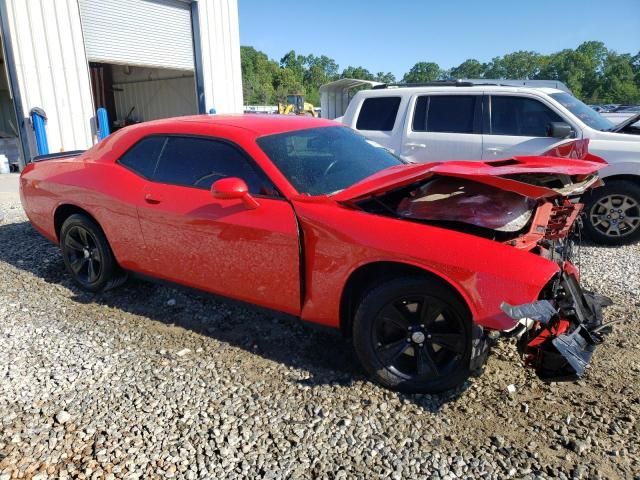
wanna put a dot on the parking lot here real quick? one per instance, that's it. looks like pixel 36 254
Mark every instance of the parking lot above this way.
pixel 147 381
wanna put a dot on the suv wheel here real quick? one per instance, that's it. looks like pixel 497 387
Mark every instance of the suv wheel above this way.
pixel 613 213
pixel 413 334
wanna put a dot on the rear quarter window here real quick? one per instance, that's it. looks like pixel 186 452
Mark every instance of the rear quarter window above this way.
pixel 143 156
pixel 378 113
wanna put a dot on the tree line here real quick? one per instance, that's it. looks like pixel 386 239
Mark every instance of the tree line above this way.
pixel 594 73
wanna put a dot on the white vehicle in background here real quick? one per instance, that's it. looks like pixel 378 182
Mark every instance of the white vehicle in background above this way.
pixel 481 120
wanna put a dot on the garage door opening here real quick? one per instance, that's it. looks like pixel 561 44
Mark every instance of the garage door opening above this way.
pixel 9 146
pixel 141 57
pixel 133 94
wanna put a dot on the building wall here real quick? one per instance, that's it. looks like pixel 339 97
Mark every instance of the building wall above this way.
pixel 220 43
pixel 52 71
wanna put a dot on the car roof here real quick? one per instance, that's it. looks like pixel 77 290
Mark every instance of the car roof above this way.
pixel 258 124
pixel 478 89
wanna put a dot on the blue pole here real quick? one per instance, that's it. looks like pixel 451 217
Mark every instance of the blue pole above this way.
pixel 103 123
pixel 38 119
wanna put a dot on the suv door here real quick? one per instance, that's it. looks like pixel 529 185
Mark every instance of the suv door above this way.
pixel 219 245
pixel 517 125
pixel 444 127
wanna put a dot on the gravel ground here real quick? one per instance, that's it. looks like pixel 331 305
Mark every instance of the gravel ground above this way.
pixel 155 382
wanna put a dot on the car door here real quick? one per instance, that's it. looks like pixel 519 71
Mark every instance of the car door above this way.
pixel 220 245
pixel 517 125
pixel 444 127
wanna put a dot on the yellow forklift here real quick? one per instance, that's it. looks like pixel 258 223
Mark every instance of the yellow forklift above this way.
pixel 296 106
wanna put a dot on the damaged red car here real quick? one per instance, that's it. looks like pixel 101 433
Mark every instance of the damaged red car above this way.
pixel 422 265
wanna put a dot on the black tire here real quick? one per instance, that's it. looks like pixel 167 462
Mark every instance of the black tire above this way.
pixel 612 213
pixel 87 255
pixel 421 367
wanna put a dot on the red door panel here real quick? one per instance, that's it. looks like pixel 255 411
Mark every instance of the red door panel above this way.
pixel 223 246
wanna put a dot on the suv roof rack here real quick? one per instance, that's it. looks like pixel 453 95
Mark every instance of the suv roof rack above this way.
pixel 475 82
pixel 435 83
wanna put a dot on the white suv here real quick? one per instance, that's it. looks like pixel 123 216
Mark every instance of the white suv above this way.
pixel 465 121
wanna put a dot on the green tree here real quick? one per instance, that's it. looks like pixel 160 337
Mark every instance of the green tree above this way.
pixel 257 76
pixel 423 72
pixel 470 68
pixel 592 72
pixel 360 73
pixel 295 63
pixel 318 71
pixel 618 84
pixel 635 66
pixel 286 82
pixel 383 77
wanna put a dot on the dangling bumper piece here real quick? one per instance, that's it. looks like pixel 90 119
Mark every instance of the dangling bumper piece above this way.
pixel 558 334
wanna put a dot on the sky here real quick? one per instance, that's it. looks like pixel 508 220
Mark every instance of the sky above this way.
pixel 391 36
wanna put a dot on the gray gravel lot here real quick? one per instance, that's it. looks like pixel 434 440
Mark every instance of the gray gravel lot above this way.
pixel 153 382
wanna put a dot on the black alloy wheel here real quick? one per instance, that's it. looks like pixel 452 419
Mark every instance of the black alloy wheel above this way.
pixel 416 336
pixel 87 254
pixel 85 259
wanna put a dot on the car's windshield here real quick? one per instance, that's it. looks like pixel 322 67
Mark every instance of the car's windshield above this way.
pixel 324 160
pixel 585 113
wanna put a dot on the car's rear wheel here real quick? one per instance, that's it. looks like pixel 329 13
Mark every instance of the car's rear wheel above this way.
pixel 613 213
pixel 87 254
pixel 414 334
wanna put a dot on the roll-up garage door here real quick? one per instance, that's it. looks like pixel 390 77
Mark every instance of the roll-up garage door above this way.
pixel 149 33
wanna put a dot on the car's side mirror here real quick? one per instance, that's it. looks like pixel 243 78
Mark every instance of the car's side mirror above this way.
pixel 231 188
pixel 559 130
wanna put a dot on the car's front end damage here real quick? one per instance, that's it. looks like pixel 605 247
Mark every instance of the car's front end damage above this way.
pixel 558 334
pixel 531 204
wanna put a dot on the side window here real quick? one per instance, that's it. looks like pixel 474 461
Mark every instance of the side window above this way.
pixel 420 115
pixel 378 113
pixel 142 157
pixel 198 162
pixel 520 116
pixel 451 113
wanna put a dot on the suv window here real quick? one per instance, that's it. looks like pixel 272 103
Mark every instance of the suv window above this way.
pixel 142 157
pixel 446 113
pixel 198 162
pixel 378 113
pixel 520 116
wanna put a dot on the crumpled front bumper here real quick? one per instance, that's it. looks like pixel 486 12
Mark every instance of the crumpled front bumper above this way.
pixel 558 334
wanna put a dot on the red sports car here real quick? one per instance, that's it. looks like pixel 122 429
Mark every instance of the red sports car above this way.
pixel 422 265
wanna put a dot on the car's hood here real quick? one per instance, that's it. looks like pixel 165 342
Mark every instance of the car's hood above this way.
pixel 494 173
pixel 625 123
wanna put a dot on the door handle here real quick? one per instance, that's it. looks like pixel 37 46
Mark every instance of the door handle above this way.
pixel 151 199
pixel 416 145
pixel 495 149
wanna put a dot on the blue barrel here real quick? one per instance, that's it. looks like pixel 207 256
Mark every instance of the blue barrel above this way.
pixel 103 123
pixel 38 119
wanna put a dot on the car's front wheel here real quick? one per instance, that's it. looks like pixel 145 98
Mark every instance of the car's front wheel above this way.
pixel 87 254
pixel 613 213
pixel 414 334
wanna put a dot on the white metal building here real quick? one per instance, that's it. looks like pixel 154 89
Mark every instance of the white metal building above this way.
pixel 139 59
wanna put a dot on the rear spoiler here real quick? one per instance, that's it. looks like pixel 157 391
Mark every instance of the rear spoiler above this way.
pixel 53 156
